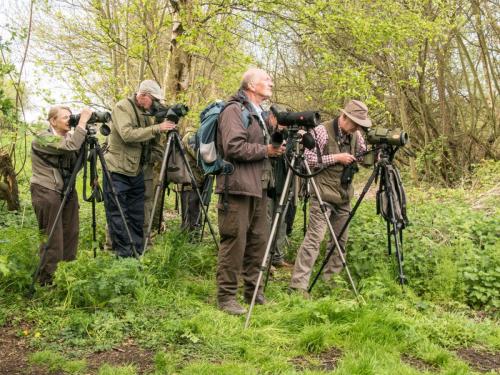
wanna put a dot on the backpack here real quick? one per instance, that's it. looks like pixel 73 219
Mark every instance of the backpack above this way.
pixel 208 157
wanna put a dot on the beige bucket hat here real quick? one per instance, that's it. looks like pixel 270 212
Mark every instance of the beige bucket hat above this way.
pixel 357 111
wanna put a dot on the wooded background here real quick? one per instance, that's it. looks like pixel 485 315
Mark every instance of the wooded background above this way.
pixel 428 67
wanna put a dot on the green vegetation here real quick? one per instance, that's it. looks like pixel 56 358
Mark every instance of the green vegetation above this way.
pixel 165 304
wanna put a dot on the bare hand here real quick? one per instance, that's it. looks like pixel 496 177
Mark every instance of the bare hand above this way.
pixel 166 126
pixel 344 158
pixel 84 117
pixel 273 152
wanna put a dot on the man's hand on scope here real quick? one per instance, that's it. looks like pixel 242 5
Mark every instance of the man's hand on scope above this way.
pixel 166 126
pixel 273 152
pixel 344 158
pixel 85 115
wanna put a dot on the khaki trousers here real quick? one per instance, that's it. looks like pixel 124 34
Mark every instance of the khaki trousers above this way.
pixel 64 242
pixel 244 231
pixel 309 250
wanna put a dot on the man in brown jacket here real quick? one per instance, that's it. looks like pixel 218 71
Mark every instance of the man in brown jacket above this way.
pixel 129 157
pixel 338 141
pixel 243 225
pixel 53 155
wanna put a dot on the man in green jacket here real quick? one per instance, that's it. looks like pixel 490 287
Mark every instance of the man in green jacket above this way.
pixel 129 154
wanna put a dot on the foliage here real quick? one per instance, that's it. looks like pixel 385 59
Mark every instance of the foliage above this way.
pixel 99 282
pixel 451 255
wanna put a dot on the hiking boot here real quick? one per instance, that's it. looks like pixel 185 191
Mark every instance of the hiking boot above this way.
pixel 259 300
pixel 232 307
pixel 299 292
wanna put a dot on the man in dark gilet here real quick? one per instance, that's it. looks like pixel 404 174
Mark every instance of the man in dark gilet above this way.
pixel 338 141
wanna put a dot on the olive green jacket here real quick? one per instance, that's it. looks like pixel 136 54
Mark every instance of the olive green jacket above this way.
pixel 328 181
pixel 56 151
pixel 132 146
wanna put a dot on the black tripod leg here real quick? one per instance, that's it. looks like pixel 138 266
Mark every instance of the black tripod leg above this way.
pixel 94 229
pixel 158 189
pixel 193 182
pixel 394 224
pixel 162 206
pixel 115 198
pixel 69 188
pixel 344 228
pixel 207 194
pixel 389 241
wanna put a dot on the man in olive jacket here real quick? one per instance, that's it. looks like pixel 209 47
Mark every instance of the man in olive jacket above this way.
pixel 338 141
pixel 243 225
pixel 128 157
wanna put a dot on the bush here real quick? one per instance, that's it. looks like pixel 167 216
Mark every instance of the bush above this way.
pixel 18 258
pixel 99 282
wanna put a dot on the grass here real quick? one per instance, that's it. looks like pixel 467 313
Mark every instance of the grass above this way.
pixel 165 304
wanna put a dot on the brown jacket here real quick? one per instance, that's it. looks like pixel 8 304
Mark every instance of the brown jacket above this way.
pixel 57 151
pixel 245 149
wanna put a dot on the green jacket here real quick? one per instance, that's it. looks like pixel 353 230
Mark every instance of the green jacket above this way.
pixel 132 144
pixel 50 152
pixel 328 181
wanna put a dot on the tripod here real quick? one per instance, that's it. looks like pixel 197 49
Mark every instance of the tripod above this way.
pixel 94 151
pixel 206 195
pixel 172 145
pixel 297 157
pixel 393 214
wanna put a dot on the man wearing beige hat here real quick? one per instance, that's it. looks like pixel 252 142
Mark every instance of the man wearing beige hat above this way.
pixel 131 147
pixel 338 141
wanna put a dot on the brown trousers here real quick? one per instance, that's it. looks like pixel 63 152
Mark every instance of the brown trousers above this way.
pixel 309 250
pixel 244 231
pixel 64 242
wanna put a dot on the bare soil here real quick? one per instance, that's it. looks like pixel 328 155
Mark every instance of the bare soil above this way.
pixel 324 361
pixel 480 360
pixel 418 363
pixel 125 354
pixel 15 352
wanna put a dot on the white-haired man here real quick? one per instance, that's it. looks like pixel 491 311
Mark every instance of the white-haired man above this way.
pixel 244 140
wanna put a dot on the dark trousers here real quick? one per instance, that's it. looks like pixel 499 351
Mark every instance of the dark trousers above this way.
pixel 244 231
pixel 64 242
pixel 190 207
pixel 130 192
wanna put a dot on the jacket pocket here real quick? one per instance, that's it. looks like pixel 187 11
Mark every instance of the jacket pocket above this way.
pixel 129 162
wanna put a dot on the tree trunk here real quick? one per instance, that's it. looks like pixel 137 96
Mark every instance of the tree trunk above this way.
pixel 8 182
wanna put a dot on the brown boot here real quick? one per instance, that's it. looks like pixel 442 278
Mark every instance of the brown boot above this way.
pixel 259 300
pixel 232 307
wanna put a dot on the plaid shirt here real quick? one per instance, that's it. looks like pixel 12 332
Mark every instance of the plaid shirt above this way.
pixel 320 134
